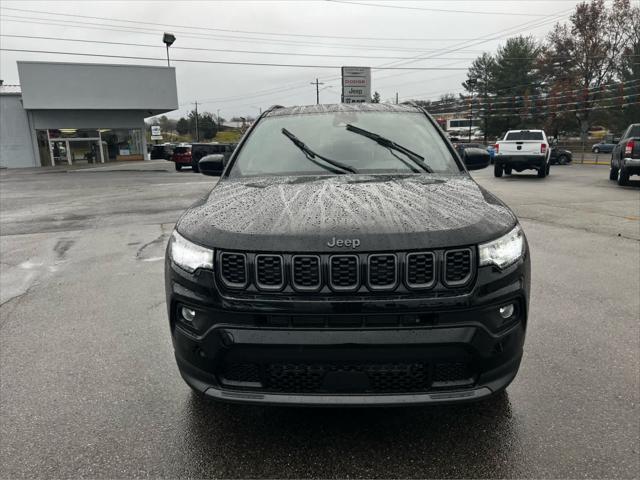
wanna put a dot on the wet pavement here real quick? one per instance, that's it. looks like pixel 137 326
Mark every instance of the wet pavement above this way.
pixel 89 387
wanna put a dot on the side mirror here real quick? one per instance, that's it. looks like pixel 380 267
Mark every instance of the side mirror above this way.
pixel 476 158
pixel 211 165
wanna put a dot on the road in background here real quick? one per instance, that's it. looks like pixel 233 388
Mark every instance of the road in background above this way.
pixel 89 386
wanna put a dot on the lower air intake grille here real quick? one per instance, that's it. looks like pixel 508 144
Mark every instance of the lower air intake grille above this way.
pixel 241 372
pixel 344 273
pixel 233 269
pixel 457 267
pixel 372 377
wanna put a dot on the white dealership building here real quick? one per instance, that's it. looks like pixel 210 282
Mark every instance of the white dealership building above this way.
pixel 72 113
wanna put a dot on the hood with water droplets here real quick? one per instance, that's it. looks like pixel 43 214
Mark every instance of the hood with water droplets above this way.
pixel 303 214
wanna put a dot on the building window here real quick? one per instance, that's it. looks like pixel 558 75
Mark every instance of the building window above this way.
pixel 123 144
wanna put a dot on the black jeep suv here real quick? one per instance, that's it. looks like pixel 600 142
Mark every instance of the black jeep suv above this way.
pixel 346 257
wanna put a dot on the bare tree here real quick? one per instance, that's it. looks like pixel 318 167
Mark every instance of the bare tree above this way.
pixel 587 53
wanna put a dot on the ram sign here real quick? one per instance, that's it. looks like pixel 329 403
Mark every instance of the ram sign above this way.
pixel 356 84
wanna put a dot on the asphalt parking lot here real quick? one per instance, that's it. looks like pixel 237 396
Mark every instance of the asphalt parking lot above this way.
pixel 89 386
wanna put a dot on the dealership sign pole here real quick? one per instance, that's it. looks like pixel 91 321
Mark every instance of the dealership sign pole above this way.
pixel 356 84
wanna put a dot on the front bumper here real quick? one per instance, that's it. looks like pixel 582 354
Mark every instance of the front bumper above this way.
pixel 373 351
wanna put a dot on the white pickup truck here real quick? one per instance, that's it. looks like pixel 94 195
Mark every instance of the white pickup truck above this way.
pixel 521 150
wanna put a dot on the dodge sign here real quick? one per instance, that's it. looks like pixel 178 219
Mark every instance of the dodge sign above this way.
pixel 356 84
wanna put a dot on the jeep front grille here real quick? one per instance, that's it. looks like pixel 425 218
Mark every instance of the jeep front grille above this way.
pixel 306 272
pixel 421 271
pixel 233 269
pixel 442 272
pixel 269 272
pixel 457 267
pixel 343 272
pixel 382 271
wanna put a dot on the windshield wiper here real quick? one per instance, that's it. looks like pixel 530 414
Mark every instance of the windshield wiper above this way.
pixel 391 145
pixel 311 155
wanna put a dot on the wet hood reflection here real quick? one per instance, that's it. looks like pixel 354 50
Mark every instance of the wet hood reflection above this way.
pixel 383 211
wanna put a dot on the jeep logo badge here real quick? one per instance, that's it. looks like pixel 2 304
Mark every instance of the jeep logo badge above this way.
pixel 338 242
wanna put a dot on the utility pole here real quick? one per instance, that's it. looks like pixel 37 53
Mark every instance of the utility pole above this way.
pixel 472 82
pixel 396 98
pixel 197 132
pixel 317 84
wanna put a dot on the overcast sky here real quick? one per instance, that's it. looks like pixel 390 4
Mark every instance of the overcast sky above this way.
pixel 390 33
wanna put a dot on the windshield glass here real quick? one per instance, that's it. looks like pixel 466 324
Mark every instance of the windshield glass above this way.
pixel 524 135
pixel 269 152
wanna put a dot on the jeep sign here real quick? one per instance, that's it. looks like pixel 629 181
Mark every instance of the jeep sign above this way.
pixel 356 84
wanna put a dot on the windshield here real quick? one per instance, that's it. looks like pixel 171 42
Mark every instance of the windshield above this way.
pixel 524 135
pixel 269 152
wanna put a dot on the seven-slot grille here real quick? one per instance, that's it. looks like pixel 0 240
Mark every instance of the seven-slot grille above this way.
pixel 457 266
pixel 306 272
pixel 233 269
pixel 438 269
pixel 343 272
pixel 382 271
pixel 421 270
pixel 269 272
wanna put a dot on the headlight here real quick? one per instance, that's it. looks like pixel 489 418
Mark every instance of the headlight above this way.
pixel 187 255
pixel 504 251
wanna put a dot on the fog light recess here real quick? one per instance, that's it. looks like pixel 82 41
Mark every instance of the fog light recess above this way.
pixel 507 311
pixel 188 314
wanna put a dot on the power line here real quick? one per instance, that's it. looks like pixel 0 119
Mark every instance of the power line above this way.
pixel 496 100
pixel 252 32
pixel 189 34
pixel 430 9
pixel 257 52
pixel 217 62
pixel 605 107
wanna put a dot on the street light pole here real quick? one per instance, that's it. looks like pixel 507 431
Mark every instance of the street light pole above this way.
pixel 168 39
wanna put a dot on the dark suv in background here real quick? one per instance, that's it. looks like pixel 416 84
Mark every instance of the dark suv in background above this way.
pixel 347 257
pixel 162 151
pixel 199 150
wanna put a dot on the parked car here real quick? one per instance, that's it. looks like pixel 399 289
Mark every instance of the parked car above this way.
pixel 603 147
pixel 560 156
pixel 199 150
pixel 346 257
pixel 162 151
pixel 625 158
pixel 521 150
pixel 181 156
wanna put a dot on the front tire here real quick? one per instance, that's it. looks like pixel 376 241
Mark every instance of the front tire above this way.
pixel 497 170
pixel 563 159
pixel 178 167
pixel 623 177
